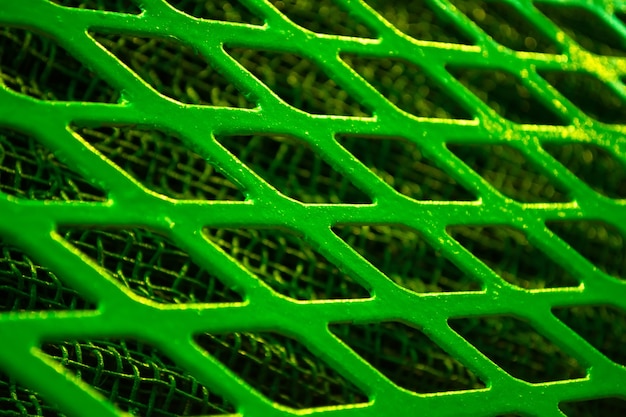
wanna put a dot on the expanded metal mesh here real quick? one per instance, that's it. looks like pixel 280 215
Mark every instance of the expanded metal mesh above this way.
pixel 341 207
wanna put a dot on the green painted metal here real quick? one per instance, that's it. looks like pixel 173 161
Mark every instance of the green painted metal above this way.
pixel 33 225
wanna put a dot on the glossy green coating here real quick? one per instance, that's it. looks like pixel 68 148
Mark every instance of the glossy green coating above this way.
pixel 32 225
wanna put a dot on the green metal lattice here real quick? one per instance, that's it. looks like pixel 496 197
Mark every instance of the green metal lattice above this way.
pixel 190 268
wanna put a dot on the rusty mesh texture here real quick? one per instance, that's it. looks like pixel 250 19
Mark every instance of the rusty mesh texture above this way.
pixel 138 377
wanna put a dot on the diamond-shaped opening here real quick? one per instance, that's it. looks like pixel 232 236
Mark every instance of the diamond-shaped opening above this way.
pixel 286 263
pixel 592 164
pixel 420 20
pixel 507 26
pixel 601 407
pixel 36 66
pixel 407 357
pixel 17 400
pixel 299 81
pixel 585 27
pixel 137 377
pixel 509 254
pixel 406 258
pixel 510 172
pixel 407 86
pixel 282 369
pixel 603 326
pixel 150 265
pixel 30 170
pixel 121 6
pixel 161 162
pixel 226 10
pixel 601 243
pixel 518 349
pixel 294 168
pixel 28 286
pixel 323 16
pixel 174 69
pixel 400 163
pixel 506 95
pixel 595 98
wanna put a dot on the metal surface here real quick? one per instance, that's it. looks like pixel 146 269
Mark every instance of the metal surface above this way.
pixel 37 227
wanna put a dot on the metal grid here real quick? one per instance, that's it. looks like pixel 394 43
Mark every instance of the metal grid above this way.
pixel 183 330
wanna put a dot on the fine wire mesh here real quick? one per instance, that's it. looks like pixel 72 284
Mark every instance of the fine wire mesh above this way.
pixel 154 258
pixel 27 286
pixel 30 170
pixel 137 377
pixel 150 265
pixel 161 163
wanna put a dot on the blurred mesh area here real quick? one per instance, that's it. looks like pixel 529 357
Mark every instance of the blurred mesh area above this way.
pixel 293 168
pixel 282 369
pixel 286 263
pixel 37 67
pixel 141 380
pixel 407 357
